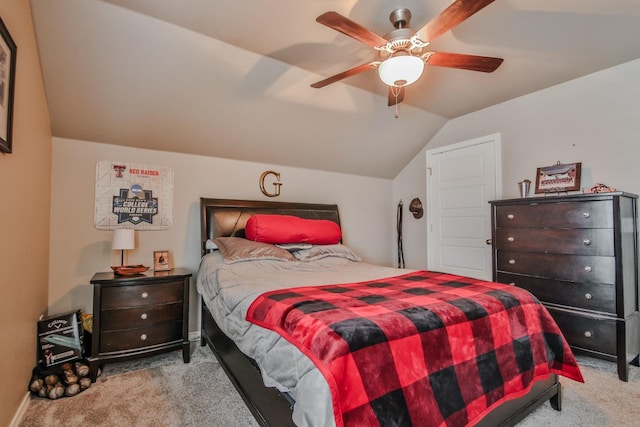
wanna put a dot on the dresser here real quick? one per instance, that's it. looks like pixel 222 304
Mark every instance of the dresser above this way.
pixel 578 254
pixel 140 315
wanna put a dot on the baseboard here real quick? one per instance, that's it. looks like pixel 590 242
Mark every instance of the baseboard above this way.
pixel 17 418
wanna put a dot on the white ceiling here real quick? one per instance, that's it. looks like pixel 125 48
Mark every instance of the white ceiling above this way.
pixel 232 78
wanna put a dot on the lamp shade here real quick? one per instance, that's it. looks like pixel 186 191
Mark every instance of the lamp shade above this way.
pixel 123 238
pixel 401 70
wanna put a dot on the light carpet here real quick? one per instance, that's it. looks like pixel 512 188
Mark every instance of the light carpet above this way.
pixel 154 391
pixel 164 391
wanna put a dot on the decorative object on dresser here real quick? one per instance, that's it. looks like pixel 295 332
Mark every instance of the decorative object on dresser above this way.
pixel 579 255
pixel 524 186
pixel 136 316
pixel 559 178
pixel 161 260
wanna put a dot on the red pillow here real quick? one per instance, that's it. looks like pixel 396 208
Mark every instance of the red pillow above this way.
pixel 292 229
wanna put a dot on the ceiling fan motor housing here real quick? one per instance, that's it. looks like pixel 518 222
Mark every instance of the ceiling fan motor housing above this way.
pixel 400 18
pixel 400 39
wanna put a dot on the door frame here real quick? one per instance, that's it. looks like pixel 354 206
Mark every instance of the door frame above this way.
pixel 495 140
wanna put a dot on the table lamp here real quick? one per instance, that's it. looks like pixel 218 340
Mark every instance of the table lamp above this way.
pixel 123 239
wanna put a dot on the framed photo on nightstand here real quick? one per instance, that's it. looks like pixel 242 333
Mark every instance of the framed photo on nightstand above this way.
pixel 161 260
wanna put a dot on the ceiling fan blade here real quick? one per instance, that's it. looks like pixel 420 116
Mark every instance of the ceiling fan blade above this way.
pixel 396 95
pixel 350 28
pixel 343 75
pixel 485 64
pixel 457 12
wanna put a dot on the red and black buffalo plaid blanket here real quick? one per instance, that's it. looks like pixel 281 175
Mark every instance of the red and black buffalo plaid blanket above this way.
pixel 420 349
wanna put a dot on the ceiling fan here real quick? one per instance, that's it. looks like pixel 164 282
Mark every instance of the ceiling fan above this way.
pixel 402 51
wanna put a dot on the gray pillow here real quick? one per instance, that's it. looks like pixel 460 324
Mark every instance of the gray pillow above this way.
pixel 235 249
pixel 323 251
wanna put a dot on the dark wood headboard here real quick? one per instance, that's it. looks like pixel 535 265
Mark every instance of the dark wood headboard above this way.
pixel 228 217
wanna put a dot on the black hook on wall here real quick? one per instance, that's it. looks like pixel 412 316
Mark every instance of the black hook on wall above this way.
pixel 415 207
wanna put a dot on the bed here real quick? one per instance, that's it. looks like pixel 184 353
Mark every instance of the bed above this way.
pixel 295 389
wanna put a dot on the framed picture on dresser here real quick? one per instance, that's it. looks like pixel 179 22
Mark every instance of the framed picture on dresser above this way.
pixel 161 260
pixel 7 83
pixel 559 178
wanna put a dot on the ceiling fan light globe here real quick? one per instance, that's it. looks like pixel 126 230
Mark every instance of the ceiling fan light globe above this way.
pixel 401 70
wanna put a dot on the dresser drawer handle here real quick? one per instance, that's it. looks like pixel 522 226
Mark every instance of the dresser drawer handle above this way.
pixel 510 216
pixel 512 261
pixel 587 268
pixel 588 296
pixel 586 214
pixel 510 238
pixel 588 334
pixel 144 316
pixel 144 295
pixel 143 337
pixel 587 242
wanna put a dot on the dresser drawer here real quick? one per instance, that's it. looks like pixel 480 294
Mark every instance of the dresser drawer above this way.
pixel 141 295
pixel 587 332
pixel 587 296
pixel 593 214
pixel 126 318
pixel 578 241
pixel 571 268
pixel 128 339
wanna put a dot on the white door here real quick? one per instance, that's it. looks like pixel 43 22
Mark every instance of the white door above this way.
pixel 461 180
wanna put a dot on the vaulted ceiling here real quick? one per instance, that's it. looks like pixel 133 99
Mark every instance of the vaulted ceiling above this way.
pixel 232 79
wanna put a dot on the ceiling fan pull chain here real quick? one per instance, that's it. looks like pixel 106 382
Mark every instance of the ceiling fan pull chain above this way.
pixel 396 91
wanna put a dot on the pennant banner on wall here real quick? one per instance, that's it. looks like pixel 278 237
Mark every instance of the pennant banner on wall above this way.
pixel 133 195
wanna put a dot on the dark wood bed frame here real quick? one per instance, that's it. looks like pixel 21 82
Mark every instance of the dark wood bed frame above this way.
pixel 225 217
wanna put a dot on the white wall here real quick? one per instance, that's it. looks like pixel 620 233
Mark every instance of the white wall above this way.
pixel 594 120
pixel 78 249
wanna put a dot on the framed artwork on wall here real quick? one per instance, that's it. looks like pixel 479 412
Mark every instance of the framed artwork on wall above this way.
pixel 161 260
pixel 558 178
pixel 7 82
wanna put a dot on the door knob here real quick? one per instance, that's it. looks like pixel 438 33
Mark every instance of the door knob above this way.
pixel 488 241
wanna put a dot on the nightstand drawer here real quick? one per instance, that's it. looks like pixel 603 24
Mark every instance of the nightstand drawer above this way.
pixel 588 296
pixel 112 341
pixel 127 318
pixel 141 295
pixel 576 241
pixel 593 214
pixel 571 268
pixel 591 333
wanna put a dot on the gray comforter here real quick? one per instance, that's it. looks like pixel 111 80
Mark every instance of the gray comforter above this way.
pixel 229 289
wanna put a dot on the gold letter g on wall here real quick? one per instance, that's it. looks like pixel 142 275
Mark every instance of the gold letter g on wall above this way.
pixel 277 184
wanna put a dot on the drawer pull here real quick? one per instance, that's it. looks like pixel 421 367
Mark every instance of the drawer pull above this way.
pixel 587 268
pixel 510 216
pixel 587 242
pixel 588 334
pixel 143 337
pixel 510 238
pixel 144 316
pixel 586 214
pixel 144 295
pixel 588 296
pixel 512 261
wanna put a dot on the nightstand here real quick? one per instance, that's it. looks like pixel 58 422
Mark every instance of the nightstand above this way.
pixel 140 315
